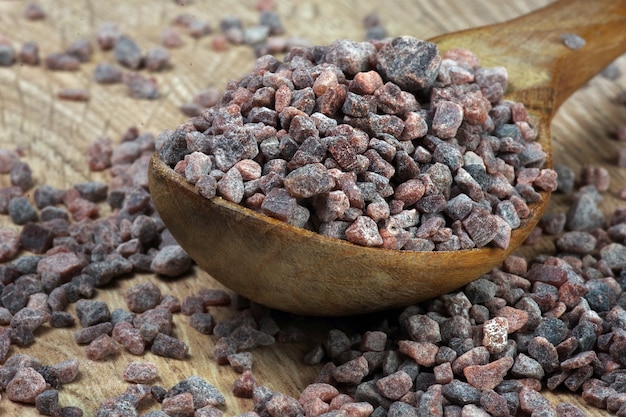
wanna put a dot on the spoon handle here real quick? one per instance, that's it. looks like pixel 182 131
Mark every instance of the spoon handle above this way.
pixel 543 71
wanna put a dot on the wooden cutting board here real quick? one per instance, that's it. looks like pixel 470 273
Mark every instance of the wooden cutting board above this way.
pixel 55 134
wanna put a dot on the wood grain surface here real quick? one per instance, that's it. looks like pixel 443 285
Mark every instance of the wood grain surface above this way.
pixel 55 134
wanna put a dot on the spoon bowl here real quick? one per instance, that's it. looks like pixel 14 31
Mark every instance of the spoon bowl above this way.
pixel 299 271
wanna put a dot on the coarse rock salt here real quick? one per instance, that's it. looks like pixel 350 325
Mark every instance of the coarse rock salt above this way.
pixel 379 135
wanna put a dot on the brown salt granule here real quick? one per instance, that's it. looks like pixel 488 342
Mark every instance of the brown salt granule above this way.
pixel 138 395
pixel 36 238
pixel 66 371
pixel 7 53
pixel 170 38
pixel 47 402
pixel 214 297
pixel 488 376
pixel 34 11
pixel 81 49
pixel 105 73
pixel 192 304
pixel 577 242
pixel 611 71
pixel 93 191
pixel 178 405
pixel 198 164
pixel 5 344
pixel 99 154
pixel 70 411
pixel 272 21
pixel 580 360
pixel 140 87
pixel 337 342
pixel 182 19
pixel 170 303
pixel 395 386
pixel 29 53
pixel 230 186
pixel 219 42
pixel 544 353
pixel 198 28
pixel 241 361
pixel 119 406
pixel 171 261
pixel 222 349
pixel 495 334
pixel 107 35
pixel 142 297
pixel 21 176
pixel 494 403
pixel 323 391
pixel 203 392
pixel 423 353
pixel 553 223
pixel 129 337
pixel 573 41
pixel 101 348
pixel 399 408
pixel 65 264
pixel 82 209
pixel 157 59
pixel 527 367
pixel 58 61
pixel 25 385
pixel 530 400
pixel 9 243
pixel 140 372
pixel 280 404
pixel 88 334
pixel 243 386
pixel 478 355
pixel 127 52
pixel 202 322
pixel 119 315
pixel 615 401
pixel 569 410
pixel 148 332
pixel 8 159
pixel 315 407
pixel 5 316
pixel 422 328
pixel 443 373
pixel 208 411
pixel 29 318
pixel 255 35
pixel 92 312
pixel 516 318
pixel 315 355
pixel 595 175
pixel 364 231
pixel 578 377
pixel 73 94
pixel 169 347
pixel 373 341
pixel 596 393
pixel 447 119
pixel 547 180
pixel 144 229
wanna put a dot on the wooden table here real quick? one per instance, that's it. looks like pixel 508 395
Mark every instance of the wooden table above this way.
pixel 55 134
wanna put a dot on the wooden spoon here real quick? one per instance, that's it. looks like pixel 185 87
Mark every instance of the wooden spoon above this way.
pixel 295 270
